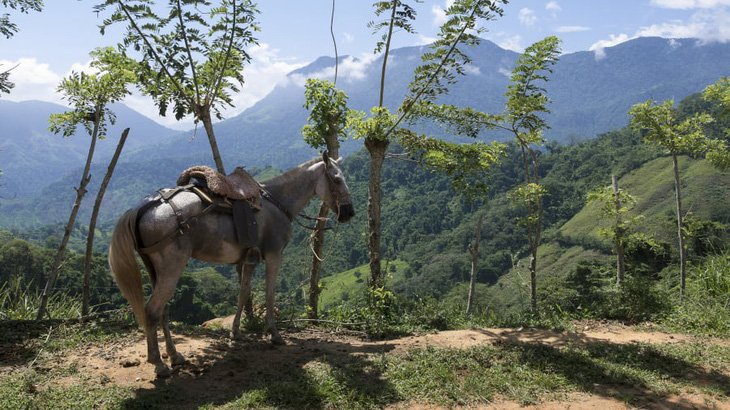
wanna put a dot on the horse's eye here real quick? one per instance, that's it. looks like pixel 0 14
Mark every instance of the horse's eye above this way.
pixel 338 181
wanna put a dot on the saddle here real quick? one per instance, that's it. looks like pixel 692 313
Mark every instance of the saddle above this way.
pixel 237 186
pixel 237 194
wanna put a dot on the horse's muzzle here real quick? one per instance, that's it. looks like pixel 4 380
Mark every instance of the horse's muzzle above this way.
pixel 346 212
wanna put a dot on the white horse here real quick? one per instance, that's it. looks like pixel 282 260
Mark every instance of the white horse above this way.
pixel 210 237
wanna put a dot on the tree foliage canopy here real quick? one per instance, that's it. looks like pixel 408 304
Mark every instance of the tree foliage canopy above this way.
pixel 660 126
pixel 193 56
pixel 328 112
pixel 90 94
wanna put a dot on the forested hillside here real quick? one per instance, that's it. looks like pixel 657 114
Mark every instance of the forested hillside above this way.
pixel 427 227
pixel 590 95
pixel 31 156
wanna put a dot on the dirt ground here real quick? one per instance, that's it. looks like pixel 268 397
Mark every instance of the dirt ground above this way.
pixel 214 362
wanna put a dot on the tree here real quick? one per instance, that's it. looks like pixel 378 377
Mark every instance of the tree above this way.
pixel 526 101
pixel 8 29
pixel 439 68
pixel 720 93
pixel 90 95
pixel 615 206
pixel 92 221
pixel 192 58
pixel 325 128
pixel 474 251
pixel 659 126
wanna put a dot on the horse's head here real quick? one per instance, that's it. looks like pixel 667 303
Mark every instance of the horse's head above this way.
pixel 333 189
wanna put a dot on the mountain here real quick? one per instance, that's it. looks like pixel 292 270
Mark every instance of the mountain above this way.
pixel 31 156
pixel 591 94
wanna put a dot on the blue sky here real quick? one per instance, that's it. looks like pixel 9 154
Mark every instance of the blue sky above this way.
pixel 294 32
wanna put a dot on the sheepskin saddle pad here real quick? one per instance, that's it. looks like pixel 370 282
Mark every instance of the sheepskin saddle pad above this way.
pixel 238 185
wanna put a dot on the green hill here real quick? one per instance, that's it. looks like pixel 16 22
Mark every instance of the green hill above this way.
pixel 353 282
pixel 706 194
pixel 705 190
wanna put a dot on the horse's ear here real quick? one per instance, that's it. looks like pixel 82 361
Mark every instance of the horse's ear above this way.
pixel 339 161
pixel 326 158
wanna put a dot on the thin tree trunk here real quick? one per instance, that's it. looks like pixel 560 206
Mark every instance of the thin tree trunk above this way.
pixel 92 222
pixel 318 246
pixel 333 147
pixel 80 192
pixel 474 250
pixel 208 124
pixel 620 263
pixel 385 55
pixel 680 228
pixel 533 279
pixel 377 156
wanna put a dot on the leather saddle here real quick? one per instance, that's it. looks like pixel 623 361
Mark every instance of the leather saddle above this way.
pixel 237 193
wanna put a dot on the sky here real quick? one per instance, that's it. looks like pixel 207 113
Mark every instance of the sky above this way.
pixel 53 43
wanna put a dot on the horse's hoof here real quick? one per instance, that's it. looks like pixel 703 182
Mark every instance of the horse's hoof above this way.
pixel 162 371
pixel 277 340
pixel 177 359
pixel 237 335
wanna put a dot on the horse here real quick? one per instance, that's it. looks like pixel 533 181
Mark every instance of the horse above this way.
pixel 210 237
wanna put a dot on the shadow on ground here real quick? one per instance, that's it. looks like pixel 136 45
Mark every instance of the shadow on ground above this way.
pixel 304 373
pixel 636 373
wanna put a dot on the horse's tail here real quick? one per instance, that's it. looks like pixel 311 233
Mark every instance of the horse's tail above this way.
pixel 124 264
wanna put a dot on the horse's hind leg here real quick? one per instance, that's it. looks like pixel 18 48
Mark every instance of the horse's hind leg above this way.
pixel 245 272
pixel 273 263
pixel 176 358
pixel 165 283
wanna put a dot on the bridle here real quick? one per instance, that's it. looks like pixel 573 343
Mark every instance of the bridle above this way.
pixel 334 192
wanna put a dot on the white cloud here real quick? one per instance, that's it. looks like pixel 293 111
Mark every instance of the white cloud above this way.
pixel 705 25
pixel 33 80
pixel 36 81
pixel 439 13
pixel 472 69
pixel 507 73
pixel 571 29
pixel 350 69
pixel 424 40
pixel 552 6
pixel 599 46
pixel 527 17
pixel 513 43
pixel 690 4
pixel 349 38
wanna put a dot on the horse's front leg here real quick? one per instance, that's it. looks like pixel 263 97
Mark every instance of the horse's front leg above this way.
pixel 273 263
pixel 245 272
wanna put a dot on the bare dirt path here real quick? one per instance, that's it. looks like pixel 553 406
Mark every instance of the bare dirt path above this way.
pixel 218 369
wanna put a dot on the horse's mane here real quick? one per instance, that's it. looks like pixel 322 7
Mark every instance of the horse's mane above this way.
pixel 287 175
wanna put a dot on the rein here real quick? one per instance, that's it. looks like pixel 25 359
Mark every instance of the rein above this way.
pixel 267 195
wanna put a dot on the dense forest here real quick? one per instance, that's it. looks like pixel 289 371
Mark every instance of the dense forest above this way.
pixel 427 228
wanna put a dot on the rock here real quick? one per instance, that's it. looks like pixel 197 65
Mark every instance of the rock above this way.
pixel 129 362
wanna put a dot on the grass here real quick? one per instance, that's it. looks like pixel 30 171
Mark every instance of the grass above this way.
pixel 352 377
pixel 704 190
pixel 351 283
pixel 20 301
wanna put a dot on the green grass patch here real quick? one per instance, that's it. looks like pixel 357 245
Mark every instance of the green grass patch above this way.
pixel 529 373
pixel 33 390
pixel 351 284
